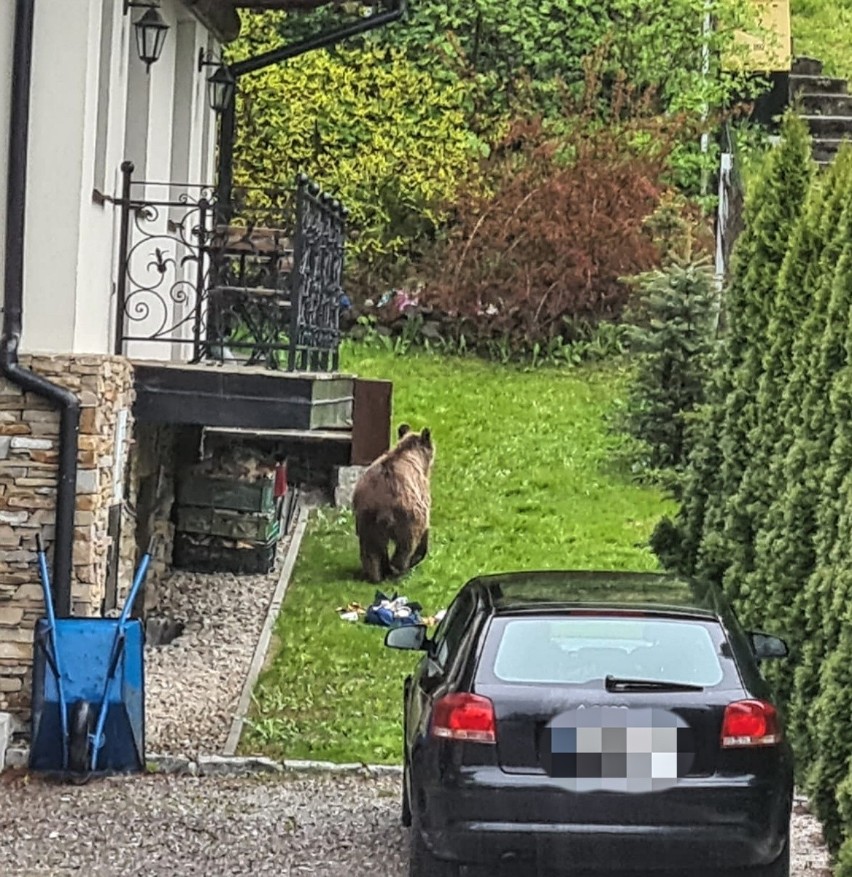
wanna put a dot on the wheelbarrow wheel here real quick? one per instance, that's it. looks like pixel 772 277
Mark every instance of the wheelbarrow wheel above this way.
pixel 79 728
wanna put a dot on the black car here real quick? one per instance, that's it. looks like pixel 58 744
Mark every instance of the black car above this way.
pixel 593 723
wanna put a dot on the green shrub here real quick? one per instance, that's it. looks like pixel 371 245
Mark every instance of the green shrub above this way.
pixel 795 493
pixel 829 723
pixel 371 127
pixel 526 56
pixel 563 221
pixel 677 543
pixel 523 55
pixel 394 121
pixel 673 317
pixel 843 862
pixel 758 382
pixel 811 451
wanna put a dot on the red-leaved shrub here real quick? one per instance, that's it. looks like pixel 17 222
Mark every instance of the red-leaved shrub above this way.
pixel 565 218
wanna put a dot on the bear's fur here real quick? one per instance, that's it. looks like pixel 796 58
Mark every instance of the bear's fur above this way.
pixel 392 503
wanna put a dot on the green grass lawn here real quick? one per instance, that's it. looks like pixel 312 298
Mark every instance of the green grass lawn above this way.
pixel 523 479
pixel 822 29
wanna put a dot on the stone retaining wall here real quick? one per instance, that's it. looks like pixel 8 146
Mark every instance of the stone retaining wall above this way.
pixel 29 451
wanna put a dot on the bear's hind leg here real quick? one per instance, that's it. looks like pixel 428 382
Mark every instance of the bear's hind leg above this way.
pixel 387 569
pixel 401 560
pixel 374 560
pixel 422 549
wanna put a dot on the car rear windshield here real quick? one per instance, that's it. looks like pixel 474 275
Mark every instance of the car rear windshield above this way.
pixel 579 649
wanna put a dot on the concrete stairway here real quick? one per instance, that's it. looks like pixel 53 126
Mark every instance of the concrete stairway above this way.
pixel 825 104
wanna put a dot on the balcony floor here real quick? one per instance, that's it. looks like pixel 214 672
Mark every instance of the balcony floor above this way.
pixel 234 396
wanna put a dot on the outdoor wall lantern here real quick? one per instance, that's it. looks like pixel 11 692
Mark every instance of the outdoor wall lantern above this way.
pixel 151 32
pixel 220 86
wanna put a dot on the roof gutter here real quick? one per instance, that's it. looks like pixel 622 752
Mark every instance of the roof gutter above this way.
pixel 325 40
pixel 59 397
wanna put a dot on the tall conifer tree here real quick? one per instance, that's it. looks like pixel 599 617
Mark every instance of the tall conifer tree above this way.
pixel 770 224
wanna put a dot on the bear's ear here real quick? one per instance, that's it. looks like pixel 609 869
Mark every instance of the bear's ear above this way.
pixel 404 429
pixel 426 437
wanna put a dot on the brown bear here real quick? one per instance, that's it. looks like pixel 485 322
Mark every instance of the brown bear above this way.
pixel 392 503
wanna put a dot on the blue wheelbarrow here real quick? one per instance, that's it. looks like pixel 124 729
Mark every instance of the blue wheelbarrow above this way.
pixel 88 709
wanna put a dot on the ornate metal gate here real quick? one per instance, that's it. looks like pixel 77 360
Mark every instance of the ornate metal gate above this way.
pixel 317 279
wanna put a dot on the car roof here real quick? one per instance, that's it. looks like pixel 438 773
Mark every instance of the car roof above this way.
pixel 560 590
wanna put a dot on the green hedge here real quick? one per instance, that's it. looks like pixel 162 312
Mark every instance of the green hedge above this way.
pixel 767 510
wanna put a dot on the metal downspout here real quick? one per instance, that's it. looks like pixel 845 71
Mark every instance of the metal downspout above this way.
pixel 64 400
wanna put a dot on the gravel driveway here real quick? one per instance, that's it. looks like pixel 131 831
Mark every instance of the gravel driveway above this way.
pixel 193 684
pixel 289 825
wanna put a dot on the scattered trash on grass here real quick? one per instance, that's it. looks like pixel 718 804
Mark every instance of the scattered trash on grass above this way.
pixel 384 611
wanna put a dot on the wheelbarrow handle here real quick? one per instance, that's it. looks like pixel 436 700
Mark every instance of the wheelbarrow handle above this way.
pixel 138 578
pixel 118 649
pixel 39 544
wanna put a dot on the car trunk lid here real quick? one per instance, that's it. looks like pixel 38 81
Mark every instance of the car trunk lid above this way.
pixel 608 698
pixel 583 731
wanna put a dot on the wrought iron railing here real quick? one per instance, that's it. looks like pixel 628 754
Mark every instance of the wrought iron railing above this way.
pixel 262 288
pixel 317 279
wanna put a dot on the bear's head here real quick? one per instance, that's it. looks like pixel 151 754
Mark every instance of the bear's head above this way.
pixel 419 443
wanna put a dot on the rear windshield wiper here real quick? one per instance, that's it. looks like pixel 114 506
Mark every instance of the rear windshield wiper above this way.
pixel 616 683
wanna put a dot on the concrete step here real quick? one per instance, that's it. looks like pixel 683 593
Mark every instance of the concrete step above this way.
pixel 830 127
pixel 826 104
pixel 817 85
pixel 805 66
pixel 825 149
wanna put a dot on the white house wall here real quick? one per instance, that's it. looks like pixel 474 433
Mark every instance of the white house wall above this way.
pixel 190 133
pixel 98 228
pixel 58 115
pixel 122 54
pixel 160 121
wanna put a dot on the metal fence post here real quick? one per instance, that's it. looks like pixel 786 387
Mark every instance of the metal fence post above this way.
pixel 296 273
pixel 127 169
pixel 203 206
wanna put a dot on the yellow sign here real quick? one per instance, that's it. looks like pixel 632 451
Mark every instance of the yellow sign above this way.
pixel 769 49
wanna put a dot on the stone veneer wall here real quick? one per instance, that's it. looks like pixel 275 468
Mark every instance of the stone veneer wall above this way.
pixel 29 430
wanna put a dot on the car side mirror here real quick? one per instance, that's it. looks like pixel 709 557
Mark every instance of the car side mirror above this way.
pixel 766 646
pixel 411 637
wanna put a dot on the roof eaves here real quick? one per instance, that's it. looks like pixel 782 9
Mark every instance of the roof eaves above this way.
pixel 219 16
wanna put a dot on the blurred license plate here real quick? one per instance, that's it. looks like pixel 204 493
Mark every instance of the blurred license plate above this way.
pixel 617 749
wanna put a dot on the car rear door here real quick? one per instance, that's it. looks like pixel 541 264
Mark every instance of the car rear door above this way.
pixel 429 679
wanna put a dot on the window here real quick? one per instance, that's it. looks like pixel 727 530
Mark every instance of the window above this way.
pixel 581 649
pixel 450 631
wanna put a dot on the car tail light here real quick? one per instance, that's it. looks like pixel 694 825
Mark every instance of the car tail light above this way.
pixel 750 723
pixel 464 717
